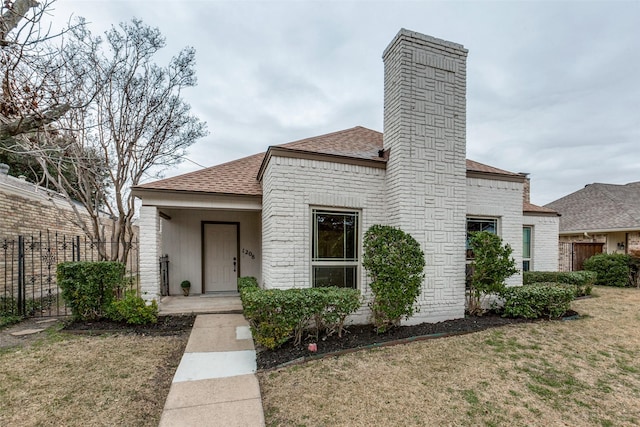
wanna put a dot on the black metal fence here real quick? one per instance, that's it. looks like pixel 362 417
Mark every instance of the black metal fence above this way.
pixel 28 285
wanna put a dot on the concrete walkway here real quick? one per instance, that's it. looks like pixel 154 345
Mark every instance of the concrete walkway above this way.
pixel 215 383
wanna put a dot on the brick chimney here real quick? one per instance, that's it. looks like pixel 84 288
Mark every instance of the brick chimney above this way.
pixel 526 189
pixel 425 133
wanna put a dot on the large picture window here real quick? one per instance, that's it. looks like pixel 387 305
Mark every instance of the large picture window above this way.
pixel 334 255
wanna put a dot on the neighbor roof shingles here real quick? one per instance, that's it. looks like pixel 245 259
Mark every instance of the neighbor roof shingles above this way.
pixel 600 207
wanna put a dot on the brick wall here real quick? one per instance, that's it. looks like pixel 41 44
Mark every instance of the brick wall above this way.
pixel 291 188
pixel 501 200
pixel 425 131
pixel 28 209
pixel 545 254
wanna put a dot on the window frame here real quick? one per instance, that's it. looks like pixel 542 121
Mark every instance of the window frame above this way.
pixel 528 259
pixel 477 219
pixel 344 262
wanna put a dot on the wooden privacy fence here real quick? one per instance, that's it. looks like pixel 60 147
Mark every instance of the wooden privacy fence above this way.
pixel 28 285
pixel 573 255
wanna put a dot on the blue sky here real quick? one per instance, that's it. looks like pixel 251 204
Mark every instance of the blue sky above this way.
pixel 553 88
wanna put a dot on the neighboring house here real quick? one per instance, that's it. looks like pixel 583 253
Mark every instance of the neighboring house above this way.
pixel 295 215
pixel 598 218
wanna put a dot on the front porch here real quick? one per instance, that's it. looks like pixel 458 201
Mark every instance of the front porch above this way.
pixel 199 304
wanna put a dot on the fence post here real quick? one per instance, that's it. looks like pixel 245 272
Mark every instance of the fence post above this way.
pixel 22 291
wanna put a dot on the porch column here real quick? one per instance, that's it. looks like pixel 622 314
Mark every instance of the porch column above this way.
pixel 149 253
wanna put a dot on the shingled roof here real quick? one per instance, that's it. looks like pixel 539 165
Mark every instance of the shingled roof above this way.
pixel 600 207
pixel 240 177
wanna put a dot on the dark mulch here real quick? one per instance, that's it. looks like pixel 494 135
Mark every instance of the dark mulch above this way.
pixel 359 336
pixel 166 325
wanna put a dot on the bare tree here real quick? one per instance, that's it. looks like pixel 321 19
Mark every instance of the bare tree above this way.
pixel 134 123
pixel 29 97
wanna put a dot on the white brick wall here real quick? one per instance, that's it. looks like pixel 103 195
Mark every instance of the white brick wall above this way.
pixel 149 252
pixel 291 189
pixel 544 241
pixel 502 200
pixel 424 129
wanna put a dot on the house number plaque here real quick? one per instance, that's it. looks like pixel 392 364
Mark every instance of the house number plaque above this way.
pixel 248 253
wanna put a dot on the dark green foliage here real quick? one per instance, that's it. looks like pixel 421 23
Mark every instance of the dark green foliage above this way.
pixel 133 310
pixel 582 281
pixel 612 269
pixel 277 315
pixel 247 282
pixel 491 266
pixel 88 288
pixel 537 300
pixel 185 284
pixel 395 263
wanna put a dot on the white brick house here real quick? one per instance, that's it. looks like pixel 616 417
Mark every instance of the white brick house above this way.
pixel 295 216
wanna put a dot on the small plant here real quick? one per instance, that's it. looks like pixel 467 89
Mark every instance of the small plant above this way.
pixel 133 310
pixel 491 266
pixel 537 300
pixel 186 286
pixel 395 263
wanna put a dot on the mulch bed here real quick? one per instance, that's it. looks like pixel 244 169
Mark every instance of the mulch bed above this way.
pixel 166 325
pixel 361 336
pixel 355 336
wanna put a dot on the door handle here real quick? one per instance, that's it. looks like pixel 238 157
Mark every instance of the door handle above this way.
pixel 234 264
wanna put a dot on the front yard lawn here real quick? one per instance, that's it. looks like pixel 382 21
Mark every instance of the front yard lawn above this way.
pixel 579 372
pixel 67 379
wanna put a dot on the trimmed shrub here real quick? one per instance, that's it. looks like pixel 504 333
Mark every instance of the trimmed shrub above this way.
pixel 277 315
pixel 133 310
pixel 582 281
pixel 395 263
pixel 612 269
pixel 492 264
pixel 88 288
pixel 537 300
pixel 247 282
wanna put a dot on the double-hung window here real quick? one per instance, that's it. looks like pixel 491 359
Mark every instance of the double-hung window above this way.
pixel 334 252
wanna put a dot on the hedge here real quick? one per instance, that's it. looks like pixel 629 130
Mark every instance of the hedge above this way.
pixel 612 269
pixel 277 315
pixel 581 281
pixel 89 287
pixel 537 300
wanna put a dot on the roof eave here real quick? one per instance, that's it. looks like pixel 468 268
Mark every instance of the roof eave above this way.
pixel 139 192
pixel 495 176
pixel 301 154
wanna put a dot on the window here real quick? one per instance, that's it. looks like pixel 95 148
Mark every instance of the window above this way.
pixel 480 224
pixel 526 248
pixel 334 255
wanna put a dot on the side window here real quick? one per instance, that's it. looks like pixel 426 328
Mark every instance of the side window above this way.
pixel 526 247
pixel 480 224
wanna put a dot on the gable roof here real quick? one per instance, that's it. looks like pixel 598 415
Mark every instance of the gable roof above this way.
pixel 600 207
pixel 357 144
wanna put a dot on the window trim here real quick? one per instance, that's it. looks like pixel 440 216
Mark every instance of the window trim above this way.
pixel 478 218
pixel 328 262
pixel 530 258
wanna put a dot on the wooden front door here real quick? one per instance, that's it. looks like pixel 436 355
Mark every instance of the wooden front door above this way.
pixel 584 251
pixel 220 257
